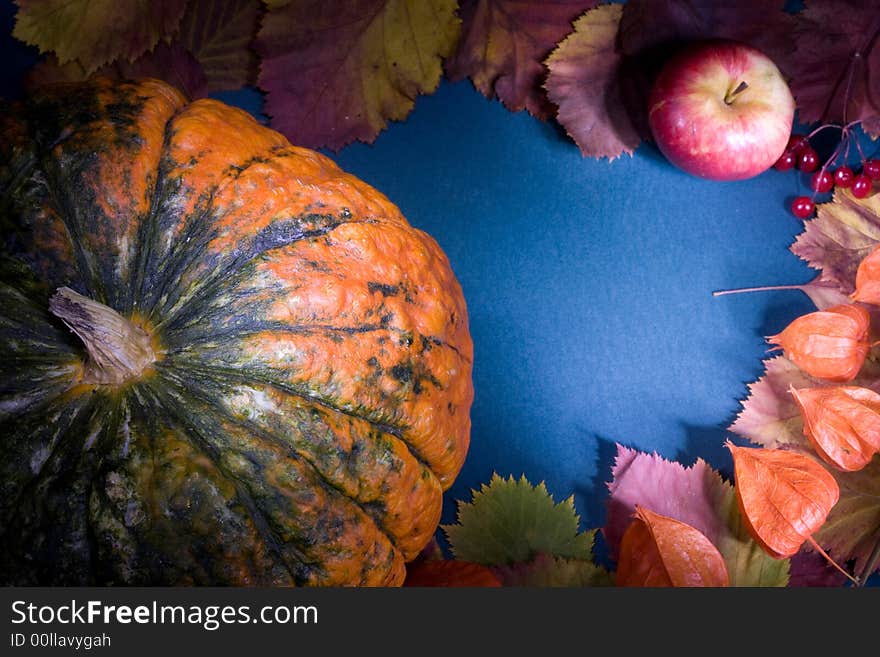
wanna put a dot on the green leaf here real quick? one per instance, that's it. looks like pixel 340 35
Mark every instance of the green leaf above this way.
pixel 95 32
pixel 511 521
pixel 549 571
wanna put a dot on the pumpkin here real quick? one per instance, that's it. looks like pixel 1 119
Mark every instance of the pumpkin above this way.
pixel 224 360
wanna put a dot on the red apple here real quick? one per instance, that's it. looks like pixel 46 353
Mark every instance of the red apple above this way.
pixel 721 110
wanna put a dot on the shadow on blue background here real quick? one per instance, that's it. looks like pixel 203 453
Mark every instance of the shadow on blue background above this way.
pixel 589 285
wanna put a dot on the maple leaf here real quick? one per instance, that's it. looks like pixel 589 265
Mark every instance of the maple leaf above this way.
pixel 511 521
pixel 697 496
pixel 546 570
pixel 770 417
pixel 95 32
pixel 835 64
pixel 218 33
pixel 335 72
pixel 584 81
pixel 504 43
pixel 843 233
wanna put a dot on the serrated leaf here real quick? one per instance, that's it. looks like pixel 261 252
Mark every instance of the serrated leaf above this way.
pixel 548 571
pixel 218 33
pixel 511 521
pixel 95 32
pixel 337 71
pixel 770 418
pixel 697 496
pixel 504 43
pixel 844 231
pixel 584 82
pixel 169 62
pixel 835 64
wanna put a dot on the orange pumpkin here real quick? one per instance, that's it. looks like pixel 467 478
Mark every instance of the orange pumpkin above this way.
pixel 223 359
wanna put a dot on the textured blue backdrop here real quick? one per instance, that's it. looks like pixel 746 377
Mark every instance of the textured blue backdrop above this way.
pixel 589 285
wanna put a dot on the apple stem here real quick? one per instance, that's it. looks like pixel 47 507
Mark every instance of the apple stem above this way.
pixel 731 95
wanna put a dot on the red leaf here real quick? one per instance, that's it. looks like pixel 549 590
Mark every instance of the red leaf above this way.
pixel 842 423
pixel 450 573
pixel 828 344
pixel 835 64
pixel 336 71
pixel 585 83
pixel 785 496
pixel 218 33
pixel 659 551
pixel 504 43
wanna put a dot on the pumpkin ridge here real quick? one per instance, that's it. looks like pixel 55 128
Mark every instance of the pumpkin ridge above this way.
pixel 199 435
pixel 378 515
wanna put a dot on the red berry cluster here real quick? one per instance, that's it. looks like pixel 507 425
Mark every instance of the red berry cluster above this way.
pixel 799 153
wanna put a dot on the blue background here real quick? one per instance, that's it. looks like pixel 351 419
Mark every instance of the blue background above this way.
pixel 589 284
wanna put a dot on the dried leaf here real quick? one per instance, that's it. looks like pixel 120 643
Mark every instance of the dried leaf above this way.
pixel 842 423
pixel 697 496
pixel 548 571
pixel 843 233
pixel 510 521
pixel 835 65
pixel 450 573
pixel 785 496
pixel 95 32
pixel 172 63
pixel 584 80
pixel 828 344
pixel 218 33
pixel 336 71
pixel 504 43
pixel 660 551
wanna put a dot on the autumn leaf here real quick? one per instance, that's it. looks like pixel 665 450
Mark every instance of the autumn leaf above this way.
pixel 546 570
pixel 697 496
pixel 218 34
pixel 337 71
pixel 450 573
pixel 584 80
pixel 843 233
pixel 504 44
pixel 835 65
pixel 660 551
pixel 172 63
pixel 785 496
pixel 95 32
pixel 511 521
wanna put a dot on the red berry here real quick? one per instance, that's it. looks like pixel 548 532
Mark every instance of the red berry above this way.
pixel 797 143
pixel 872 169
pixel 808 160
pixel 822 182
pixel 802 207
pixel 786 161
pixel 861 186
pixel 843 177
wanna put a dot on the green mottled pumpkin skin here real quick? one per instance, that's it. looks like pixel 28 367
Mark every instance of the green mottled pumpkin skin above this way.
pixel 310 398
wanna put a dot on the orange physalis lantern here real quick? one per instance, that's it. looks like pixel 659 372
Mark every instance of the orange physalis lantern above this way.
pixel 868 279
pixel 828 344
pixel 660 551
pixel 842 423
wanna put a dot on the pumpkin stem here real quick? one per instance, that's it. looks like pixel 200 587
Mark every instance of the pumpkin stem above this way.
pixel 118 349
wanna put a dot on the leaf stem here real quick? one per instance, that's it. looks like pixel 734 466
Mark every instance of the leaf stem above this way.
pixel 766 288
pixel 854 580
